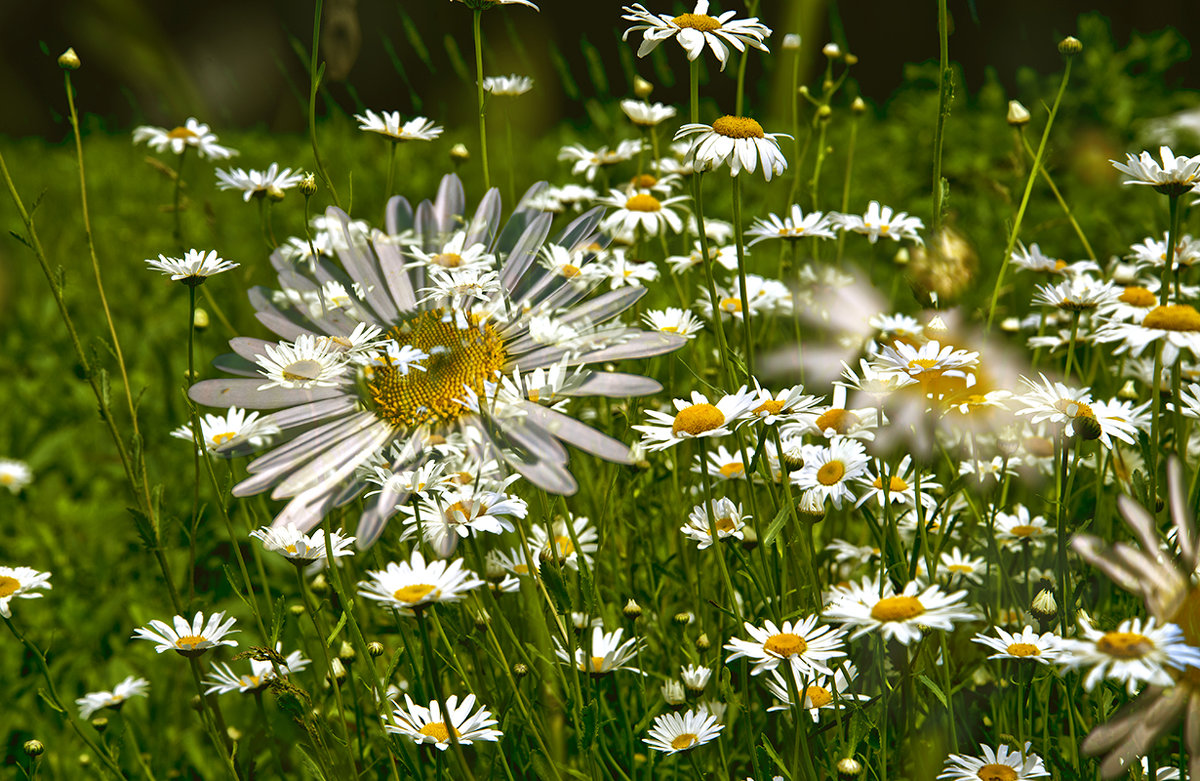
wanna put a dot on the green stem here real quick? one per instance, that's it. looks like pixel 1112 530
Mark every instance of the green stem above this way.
pixel 1170 272
pixel 939 133
pixel 845 207
pixel 483 156
pixel 314 79
pixel 741 259
pixel 718 324
pixel 178 191
pixel 1062 202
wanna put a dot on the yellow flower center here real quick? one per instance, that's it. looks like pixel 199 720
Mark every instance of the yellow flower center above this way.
pixel 597 664
pixel 644 181
pixel 8 586
pixel 643 203
pixel 770 406
pixel 737 127
pixel 565 547
pixel 818 697
pixel 1023 530
pixel 1074 409
pixel 697 419
pixel 181 132
pixel 923 363
pixel 702 22
pixel 731 304
pixel 996 772
pixel 899 608
pixel 1125 645
pixel 732 469
pixel 220 439
pixel 291 549
pixel 963 568
pixel 438 731
pixel 569 270
pixel 785 644
pixel 415 593
pixel 447 260
pixel 459 358
pixel 190 642
pixel 1176 317
pixel 1024 649
pixel 895 484
pixel 840 420
pixel 1059 265
pixel 465 512
pixel 725 524
pixel 831 472
pixel 1138 296
pixel 687 739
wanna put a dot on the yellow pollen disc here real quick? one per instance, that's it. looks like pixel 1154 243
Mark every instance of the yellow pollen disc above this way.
pixel 447 260
pixel 290 549
pixel 597 664
pixel 831 472
pixel 725 524
pixel 569 270
pixel 964 568
pixel 733 469
pixel 644 181
pixel 181 132
pixel 895 484
pixel 1074 409
pixel 459 358
pixel 702 22
pixel 565 547
pixel 302 370
pixel 438 731
pixel 1176 317
pixel 1059 265
pixel 415 593
pixel 697 419
pixel 839 420
pixel 521 569
pixel 738 127
pixel 8 586
pixel 643 203
pixel 1024 649
pixel 731 304
pixel 1125 645
pixel 190 641
pixel 996 772
pixel 220 439
pixel 899 608
pixel 1138 296
pixel 770 406
pixel 923 363
pixel 687 739
pixel 1023 531
pixel 669 329
pixel 818 697
pixel 461 512
pixel 785 644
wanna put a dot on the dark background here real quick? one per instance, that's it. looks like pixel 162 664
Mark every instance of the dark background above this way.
pixel 240 64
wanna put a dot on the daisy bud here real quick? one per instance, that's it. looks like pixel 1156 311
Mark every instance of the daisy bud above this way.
pixel 684 618
pixel 1010 325
pixel 1128 392
pixel 642 88
pixel 702 642
pixel 672 692
pixel 85 760
pixel 802 90
pixel 520 670
pixel 196 704
pixel 1070 46
pixel 859 106
pixel 851 59
pixel 100 723
pixel 319 585
pixel 831 50
pixel 1018 115
pixel 308 186
pixel 375 649
pixel 493 570
pixel 200 319
pixel 69 60
pixel 482 619
pixel 234 734
pixel 297 609
pixel 339 670
pixel 749 538
pixel 1088 428
pixel 791 42
pixel 632 610
pixel 824 113
pixel 1044 608
pixel 459 154
pixel 34 748
pixel 347 653
pixel 811 508
pixel 902 257
pixel 849 769
pixel 275 193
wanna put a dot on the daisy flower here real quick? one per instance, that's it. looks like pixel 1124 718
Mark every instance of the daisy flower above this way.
pixel 308 363
pixel 695 30
pixel 644 114
pixel 725 255
pixel 901 486
pixel 931 361
pixel 695 678
pixel 586 162
pixel 507 86
pixel 624 271
pixel 257 184
pixel 765 296
pixel 1134 653
pixel 300 548
pixel 20 582
pixel 429 725
pixel 641 210
pixel 96 701
pixel 1175 326
pixel 837 420
pixel 722 464
pixel 958 564
pixel 605 654
pixel 226 435
pixel 882 221
pixel 829 471
pixel 414 585
pixel 560 538
pixel 388 125
pixel 1027 645
pixel 1020 525
pixel 786 405
pixel 870 607
pixel 697 418
pixel 16 475
pixel 1078 294
pixel 1153 252
pixel 1000 763
pixel 186 639
pixel 675 732
pixel 795 225
pixel 805 647
pixel 727 517
pixel 1073 409
pixel 674 320
pixel 1033 259
pixel 224 680
pixel 1176 175
pixel 195 267
pixel 452 515
pixel 192 134
pixel 738 142
pixel 823 693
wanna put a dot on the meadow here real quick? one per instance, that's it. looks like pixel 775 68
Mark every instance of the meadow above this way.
pixel 728 433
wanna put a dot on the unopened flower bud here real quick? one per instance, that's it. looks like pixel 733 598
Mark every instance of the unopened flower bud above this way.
pixel 749 538
pixel 1128 392
pixel 1018 115
pixel 375 649
pixel 811 508
pixel 851 59
pixel 482 619
pixel 297 609
pixel 339 670
pixel 234 734
pixel 824 113
pixel 196 704
pixel 1044 607
pixel 35 748
pixel 849 769
pixel 347 653
pixel 200 319
pixel 1070 46
pixel 459 154
pixel 684 618
pixel 319 584
pixel 831 50
pixel 520 670
pixel 642 88
pixel 858 106
pixel 1007 446
pixel 802 90
pixel 100 723
pixel 308 185
pixel 69 60
pixel 632 610
pixel 702 642
pixel 791 41
pixel 672 692
pixel 1010 325
pixel 85 760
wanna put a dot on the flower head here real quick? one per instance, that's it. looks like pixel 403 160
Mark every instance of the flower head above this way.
pixel 1176 175
pixel 95 701
pixel 388 124
pixel 301 548
pixel 696 30
pixel 429 725
pixel 414 585
pixel 675 732
pixel 259 184
pixel 192 134
pixel 1001 764
pixel 872 607
pixel 738 142
pixel 188 639
pixel 20 582
pixel 195 267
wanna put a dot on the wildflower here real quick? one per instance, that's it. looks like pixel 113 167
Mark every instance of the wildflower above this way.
pixel 699 418
pixel 672 692
pixel 388 125
pixel 225 435
pixel 95 701
pixel 837 420
pixel 301 548
pixel 882 221
pixel 1176 327
pixel 1073 409
pixel 870 607
pixel 188 639
pixel 1132 654
pixel 1019 525
pixel 307 363
pixel 641 210
pixel 828 472
pixel 507 86
pixel 589 163
pixel 963 566
pixel 738 142
pixel 823 692
pixel 430 725
pixel 624 271
pixel 191 134
pixel 786 405
pixel 1027 645
pixel 727 517
pixel 929 362
pixel 644 114
pixel 224 680
pixel 258 184
pixel 20 582
pixel 901 486
pixel 195 267
pixel 558 545
pixel 456 514
pixel 726 256
pixel 605 654
pixel 695 30
pixel 805 647
pixel 695 678
pixel 1000 763
pixel 414 585
pixel 1176 175
pixel 1080 293
pixel 16 475
pixel 793 226
pixel 675 732
pixel 764 296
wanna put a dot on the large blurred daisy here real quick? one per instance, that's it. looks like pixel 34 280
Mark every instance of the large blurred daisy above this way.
pixel 360 392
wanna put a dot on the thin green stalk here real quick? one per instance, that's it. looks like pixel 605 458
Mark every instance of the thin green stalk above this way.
pixel 945 86
pixel 314 80
pixel 175 201
pixel 427 646
pixel 741 259
pixel 310 607
pixel 1062 202
pixel 1071 345
pixel 706 260
pixel 712 531
pixel 214 722
pixel 1170 272
pixel 483 155
pixel 845 207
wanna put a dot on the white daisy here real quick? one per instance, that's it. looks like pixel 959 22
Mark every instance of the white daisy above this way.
pixel 956 564
pixel 872 607
pixel 16 475
pixel 675 732
pixel 1073 409
pixel 224 680
pixel 20 582
pixel 882 221
pixel 388 124
pixel 695 677
pixel 429 725
pixel 584 161
pixel 901 486
pixel 805 647
pixel 1176 327
pixel 95 701
pixel 606 653
pixel 452 515
pixel 258 184
pixel 1134 653
pixel 192 134
pixel 738 142
pixel 507 86
pixel 787 405
pixel 414 585
pixel 195 267
pixel 697 418
pixel 641 210
pixel 1027 645
pixel 1176 175
pixel 727 517
pixel 695 30
pixel 309 362
pixel 1020 525
pixel 645 114
pixel 1002 763
pixel 793 226
pixel 188 639
pixel 830 471
pixel 1081 293
pixel 301 548
pixel 824 692
pixel 545 543
pixel 223 434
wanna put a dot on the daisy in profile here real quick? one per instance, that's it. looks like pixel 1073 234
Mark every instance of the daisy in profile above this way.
pixel 388 125
pixel 837 420
pixel 1174 177
pixel 695 678
pixel 16 475
pixel 1027 645
pixel 226 435
pixel 414 585
pixel 224 680
pixel 793 226
pixel 186 639
pixel 308 363
pixel 1020 525
pixel 697 418
pixel 1175 326
pixel 300 548
pixel 559 542
pixel 674 732
pixel 22 583
pixel 1134 653
pixel 191 135
pixel 1080 293
pixel 624 271
pixel 95 701
pixel 456 514
pixel 901 486
pixel 585 161
pixel 259 184
pixel 867 607
pixel 722 464
pixel 727 517
pixel 804 647
pixel 1001 763
pixel 929 362
pixel 507 86
pixel 824 692
pixel 644 114
pixel 956 564
pixel 641 210
pixel 605 654
pixel 1074 410
pixel 829 472
pixel 195 266
pixel 789 404
pixel 429 725
pixel 695 30
pixel 738 142
pixel 883 221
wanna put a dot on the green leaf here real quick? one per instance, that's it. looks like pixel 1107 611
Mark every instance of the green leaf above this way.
pixel 933 687
pixel 780 765
pixel 777 524
pixel 590 727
